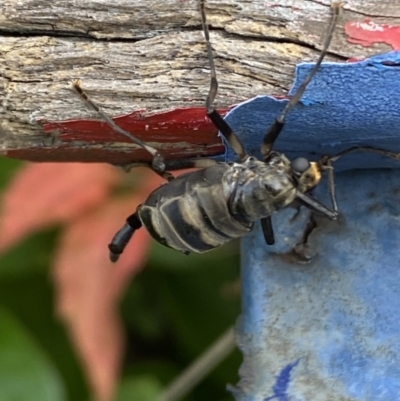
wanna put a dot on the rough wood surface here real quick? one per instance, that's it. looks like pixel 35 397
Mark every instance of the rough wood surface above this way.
pixel 135 54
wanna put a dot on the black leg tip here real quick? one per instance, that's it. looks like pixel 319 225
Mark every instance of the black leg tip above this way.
pixel 270 241
pixel 114 257
pixel 115 253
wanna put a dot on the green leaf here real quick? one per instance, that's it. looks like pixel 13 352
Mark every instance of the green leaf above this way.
pixel 140 388
pixel 8 167
pixel 39 246
pixel 26 373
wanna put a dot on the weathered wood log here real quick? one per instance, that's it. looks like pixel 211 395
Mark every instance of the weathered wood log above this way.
pixel 134 55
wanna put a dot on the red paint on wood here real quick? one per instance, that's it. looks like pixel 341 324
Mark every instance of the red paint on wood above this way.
pixel 354 59
pixel 79 153
pixel 188 124
pixel 179 133
pixel 367 33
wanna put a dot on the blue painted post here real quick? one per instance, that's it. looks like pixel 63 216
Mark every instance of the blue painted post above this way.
pixel 328 329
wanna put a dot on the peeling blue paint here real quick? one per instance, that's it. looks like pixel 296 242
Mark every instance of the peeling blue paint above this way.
pixel 282 383
pixel 339 314
pixel 345 105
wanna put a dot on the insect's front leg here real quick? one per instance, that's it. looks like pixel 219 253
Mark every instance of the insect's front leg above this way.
pixel 316 206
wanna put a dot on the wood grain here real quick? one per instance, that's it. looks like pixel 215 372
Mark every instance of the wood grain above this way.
pixel 135 54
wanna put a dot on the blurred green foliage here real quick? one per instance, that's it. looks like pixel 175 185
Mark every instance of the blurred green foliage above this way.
pixel 172 311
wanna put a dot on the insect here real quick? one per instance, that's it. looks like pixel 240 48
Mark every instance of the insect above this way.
pixel 201 210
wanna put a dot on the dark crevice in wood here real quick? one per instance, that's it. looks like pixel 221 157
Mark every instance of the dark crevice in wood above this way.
pixel 64 34
pixel 269 39
pixel 385 16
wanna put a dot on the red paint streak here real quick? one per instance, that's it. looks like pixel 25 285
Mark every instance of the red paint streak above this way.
pixel 367 33
pixel 69 153
pixel 179 133
pixel 354 59
pixel 188 125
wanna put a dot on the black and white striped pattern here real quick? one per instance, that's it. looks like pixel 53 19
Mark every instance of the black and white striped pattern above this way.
pixel 191 213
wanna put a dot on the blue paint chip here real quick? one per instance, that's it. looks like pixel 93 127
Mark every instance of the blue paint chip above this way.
pixel 345 105
pixel 282 383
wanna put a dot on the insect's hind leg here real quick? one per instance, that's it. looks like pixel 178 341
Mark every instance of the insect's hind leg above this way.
pixel 158 162
pixel 123 236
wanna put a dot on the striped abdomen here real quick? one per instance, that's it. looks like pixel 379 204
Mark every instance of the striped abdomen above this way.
pixel 191 213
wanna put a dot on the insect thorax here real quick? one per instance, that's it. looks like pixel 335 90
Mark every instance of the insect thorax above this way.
pixel 259 188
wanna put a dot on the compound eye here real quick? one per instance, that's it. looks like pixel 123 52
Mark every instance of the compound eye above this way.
pixel 300 165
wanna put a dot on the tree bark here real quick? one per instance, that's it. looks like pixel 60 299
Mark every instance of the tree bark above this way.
pixel 148 55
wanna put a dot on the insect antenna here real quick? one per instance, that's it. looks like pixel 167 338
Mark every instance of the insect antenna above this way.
pixel 157 163
pixel 326 164
pixel 392 155
pixel 276 127
pixel 213 114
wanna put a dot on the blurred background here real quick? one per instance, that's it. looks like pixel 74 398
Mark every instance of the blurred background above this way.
pixel 73 326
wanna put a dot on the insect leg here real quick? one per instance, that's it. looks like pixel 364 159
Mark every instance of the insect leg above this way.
pixel 326 164
pixel 158 162
pixel 190 163
pixel 268 230
pixel 213 114
pixel 177 164
pixel 316 206
pixel 123 236
pixel 331 184
pixel 392 155
pixel 276 127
